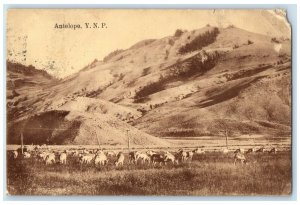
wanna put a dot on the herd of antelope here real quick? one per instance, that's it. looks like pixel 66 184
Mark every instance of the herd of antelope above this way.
pixel 100 157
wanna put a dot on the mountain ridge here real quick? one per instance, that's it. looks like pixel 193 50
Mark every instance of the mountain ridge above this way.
pixel 148 86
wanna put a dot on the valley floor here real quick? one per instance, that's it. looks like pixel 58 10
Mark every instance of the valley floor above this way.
pixel 207 143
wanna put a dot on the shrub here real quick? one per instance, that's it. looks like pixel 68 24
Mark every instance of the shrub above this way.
pixel 171 42
pixel 195 65
pixel 112 54
pixel 150 88
pixel 121 76
pixel 94 93
pixel 146 71
pixel 94 63
pixel 178 33
pixel 200 41
pixel 167 54
pixel 275 40
pixel 250 42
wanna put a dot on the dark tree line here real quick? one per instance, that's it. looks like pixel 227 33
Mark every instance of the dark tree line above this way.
pixel 200 41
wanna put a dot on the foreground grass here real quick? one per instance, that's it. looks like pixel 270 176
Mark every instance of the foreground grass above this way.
pixel 209 174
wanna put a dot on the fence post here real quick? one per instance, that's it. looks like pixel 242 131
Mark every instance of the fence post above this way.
pixel 226 134
pixel 22 142
pixel 128 138
pixel 97 137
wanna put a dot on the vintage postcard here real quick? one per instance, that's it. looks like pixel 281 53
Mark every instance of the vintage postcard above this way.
pixel 148 102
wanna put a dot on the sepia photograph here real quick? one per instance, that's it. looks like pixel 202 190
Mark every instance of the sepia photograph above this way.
pixel 148 102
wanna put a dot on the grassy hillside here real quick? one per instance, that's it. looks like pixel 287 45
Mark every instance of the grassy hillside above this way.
pixel 191 84
pixel 25 87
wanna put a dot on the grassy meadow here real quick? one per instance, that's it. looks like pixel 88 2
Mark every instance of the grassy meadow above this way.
pixel 208 174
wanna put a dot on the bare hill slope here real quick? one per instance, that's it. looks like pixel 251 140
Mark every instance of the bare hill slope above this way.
pixel 194 83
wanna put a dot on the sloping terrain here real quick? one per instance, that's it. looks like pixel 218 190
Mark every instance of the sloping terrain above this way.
pixel 26 87
pixel 194 83
pixel 81 120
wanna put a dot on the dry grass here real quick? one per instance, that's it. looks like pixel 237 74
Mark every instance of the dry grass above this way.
pixel 209 174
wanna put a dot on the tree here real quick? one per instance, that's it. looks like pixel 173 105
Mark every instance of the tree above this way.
pixel 178 33
pixel 225 130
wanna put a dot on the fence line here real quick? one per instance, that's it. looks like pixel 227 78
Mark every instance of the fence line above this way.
pixel 107 147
